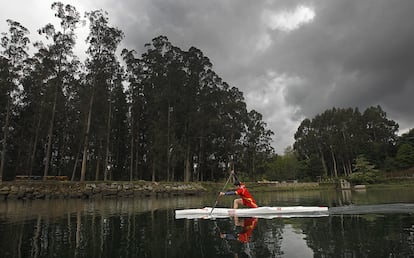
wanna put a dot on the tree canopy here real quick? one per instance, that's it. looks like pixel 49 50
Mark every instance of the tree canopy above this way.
pixel 161 115
pixel 336 138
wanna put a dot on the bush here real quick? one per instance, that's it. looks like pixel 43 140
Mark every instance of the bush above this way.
pixel 366 178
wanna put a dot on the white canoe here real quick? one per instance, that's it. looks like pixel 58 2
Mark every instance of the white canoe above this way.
pixel 260 212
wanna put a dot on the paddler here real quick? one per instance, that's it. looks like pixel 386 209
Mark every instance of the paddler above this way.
pixel 246 198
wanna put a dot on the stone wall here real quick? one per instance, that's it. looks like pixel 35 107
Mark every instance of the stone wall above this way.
pixel 57 190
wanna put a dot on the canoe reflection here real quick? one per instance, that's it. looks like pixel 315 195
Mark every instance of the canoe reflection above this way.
pixel 243 235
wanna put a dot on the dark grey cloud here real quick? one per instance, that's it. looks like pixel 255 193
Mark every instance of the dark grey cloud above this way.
pixel 357 54
pixel 354 53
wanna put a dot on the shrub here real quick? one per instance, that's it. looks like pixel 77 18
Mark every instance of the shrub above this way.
pixel 366 178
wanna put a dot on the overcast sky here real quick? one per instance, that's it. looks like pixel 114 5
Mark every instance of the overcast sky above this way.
pixel 291 59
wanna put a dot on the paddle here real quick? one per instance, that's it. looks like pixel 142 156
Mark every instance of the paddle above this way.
pixel 218 197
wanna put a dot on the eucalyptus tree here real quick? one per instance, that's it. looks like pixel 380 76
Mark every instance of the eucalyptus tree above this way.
pixel 135 98
pixel 63 63
pixel 148 108
pixel 338 136
pixel 407 138
pixel 15 44
pixel 214 121
pixel 405 156
pixel 5 110
pixel 193 123
pixel 208 124
pixel 182 115
pixel 117 130
pixel 330 136
pixel 177 80
pixel 156 110
pixel 32 125
pixel 309 148
pixel 380 135
pixel 101 66
pixel 257 142
pixel 232 116
pixel 340 128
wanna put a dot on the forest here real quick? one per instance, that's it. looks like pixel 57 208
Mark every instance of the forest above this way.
pixel 164 115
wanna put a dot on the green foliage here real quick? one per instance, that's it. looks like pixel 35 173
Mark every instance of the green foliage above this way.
pixel 365 172
pixel 311 169
pixel 337 136
pixel 366 178
pixel 284 167
pixel 362 165
pixel 407 138
pixel 405 156
pixel 12 57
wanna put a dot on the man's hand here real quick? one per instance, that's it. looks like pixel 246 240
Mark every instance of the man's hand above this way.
pixel 221 193
pixel 232 172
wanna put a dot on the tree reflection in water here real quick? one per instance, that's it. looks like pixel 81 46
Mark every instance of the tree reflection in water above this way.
pixel 148 228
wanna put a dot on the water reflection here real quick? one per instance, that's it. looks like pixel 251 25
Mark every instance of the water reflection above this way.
pixel 148 228
pixel 243 234
pixel 294 242
pixel 79 228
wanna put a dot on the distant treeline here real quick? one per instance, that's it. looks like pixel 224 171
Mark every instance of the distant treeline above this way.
pixel 164 115
pixel 340 142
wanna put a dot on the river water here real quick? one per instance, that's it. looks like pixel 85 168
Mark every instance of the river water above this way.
pixel 371 223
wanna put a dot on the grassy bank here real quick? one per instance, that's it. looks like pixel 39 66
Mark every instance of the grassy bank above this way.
pixel 268 187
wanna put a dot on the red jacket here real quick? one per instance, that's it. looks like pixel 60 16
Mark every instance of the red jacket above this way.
pixel 246 196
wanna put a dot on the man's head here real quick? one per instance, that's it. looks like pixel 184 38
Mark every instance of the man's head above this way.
pixel 237 183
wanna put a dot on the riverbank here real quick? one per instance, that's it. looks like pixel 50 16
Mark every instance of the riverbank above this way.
pixel 31 190
pixel 34 189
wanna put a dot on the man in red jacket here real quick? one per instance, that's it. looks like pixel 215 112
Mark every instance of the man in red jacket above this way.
pixel 246 198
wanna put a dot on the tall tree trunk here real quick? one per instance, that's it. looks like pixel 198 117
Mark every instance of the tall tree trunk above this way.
pixel 86 143
pixel 173 173
pixel 187 169
pixel 74 168
pixel 200 170
pixel 36 139
pixel 4 143
pixel 344 168
pixel 50 135
pixel 325 168
pixel 137 170
pixel 349 167
pixel 131 169
pixel 253 163
pixel 98 167
pixel 108 134
pixel 334 163
pixel 168 142
pixel 153 170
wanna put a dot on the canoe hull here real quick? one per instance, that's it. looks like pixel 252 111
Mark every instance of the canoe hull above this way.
pixel 260 212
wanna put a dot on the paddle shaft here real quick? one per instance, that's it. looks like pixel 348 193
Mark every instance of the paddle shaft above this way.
pixel 224 187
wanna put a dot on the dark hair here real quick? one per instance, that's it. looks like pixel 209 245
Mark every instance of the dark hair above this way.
pixel 237 183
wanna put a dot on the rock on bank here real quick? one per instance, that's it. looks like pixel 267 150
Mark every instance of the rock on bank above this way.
pixel 63 190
